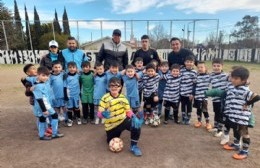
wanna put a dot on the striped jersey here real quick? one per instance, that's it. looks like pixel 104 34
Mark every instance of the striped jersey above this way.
pixel 172 88
pixel 235 100
pixel 140 82
pixel 202 85
pixel 150 84
pixel 218 81
pixel 117 106
pixel 188 78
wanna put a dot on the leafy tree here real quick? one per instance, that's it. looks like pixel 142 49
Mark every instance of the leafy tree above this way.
pixel 37 29
pixel 27 24
pixel 60 38
pixel 56 24
pixel 66 27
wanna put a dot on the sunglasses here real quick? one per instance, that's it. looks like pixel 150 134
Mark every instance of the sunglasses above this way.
pixel 53 47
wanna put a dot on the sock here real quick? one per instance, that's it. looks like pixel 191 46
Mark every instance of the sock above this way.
pixel 246 143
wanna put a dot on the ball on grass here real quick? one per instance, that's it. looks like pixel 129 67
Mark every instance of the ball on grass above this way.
pixel 116 145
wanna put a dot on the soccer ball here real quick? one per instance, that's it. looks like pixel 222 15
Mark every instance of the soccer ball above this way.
pixel 116 145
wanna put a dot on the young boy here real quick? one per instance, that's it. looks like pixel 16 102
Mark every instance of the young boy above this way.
pixel 139 68
pixel 188 77
pixel 163 70
pixel 238 111
pixel 219 80
pixel 112 72
pixel 115 108
pixel 56 82
pixel 87 88
pixel 42 105
pixel 150 91
pixel 72 91
pixel 171 95
pixel 200 100
pixel 100 83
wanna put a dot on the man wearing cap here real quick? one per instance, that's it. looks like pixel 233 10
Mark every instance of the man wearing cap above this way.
pixel 113 50
pixel 53 55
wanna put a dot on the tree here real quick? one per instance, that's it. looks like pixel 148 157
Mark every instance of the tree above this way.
pixel 159 37
pixel 56 24
pixel 60 38
pixel 27 24
pixel 37 29
pixel 66 27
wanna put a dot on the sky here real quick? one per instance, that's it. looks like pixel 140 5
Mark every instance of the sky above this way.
pixel 88 13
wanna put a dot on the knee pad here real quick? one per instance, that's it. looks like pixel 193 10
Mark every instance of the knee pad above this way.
pixel 54 116
pixel 42 119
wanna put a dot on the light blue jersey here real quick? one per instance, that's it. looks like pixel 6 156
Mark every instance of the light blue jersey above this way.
pixel 56 82
pixel 72 85
pixel 100 82
pixel 109 75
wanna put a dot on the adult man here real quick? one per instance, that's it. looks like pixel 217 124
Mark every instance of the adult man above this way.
pixel 146 52
pixel 178 54
pixel 72 53
pixel 113 50
pixel 53 55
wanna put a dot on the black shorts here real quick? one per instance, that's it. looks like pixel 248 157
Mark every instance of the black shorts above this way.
pixel 174 105
pixel 149 102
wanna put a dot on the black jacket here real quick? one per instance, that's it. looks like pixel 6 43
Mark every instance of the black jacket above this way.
pixel 179 58
pixel 147 56
pixel 46 60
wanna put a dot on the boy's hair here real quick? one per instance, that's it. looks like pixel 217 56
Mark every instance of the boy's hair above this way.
pixel 190 58
pixel 234 67
pixel 153 60
pixel 217 61
pixel 129 67
pixel 164 63
pixel 150 66
pixel 114 64
pixel 56 62
pixel 85 64
pixel 175 66
pixel 73 64
pixel 240 72
pixel 115 80
pixel 145 37
pixel 43 70
pixel 139 59
pixel 174 39
pixel 27 67
pixel 99 64
pixel 201 62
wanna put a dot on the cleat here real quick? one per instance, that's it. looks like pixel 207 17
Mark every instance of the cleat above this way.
pixel 208 126
pixel 47 134
pixel 198 124
pixel 79 121
pixel 49 130
pixel 213 130
pixel 187 122
pixel 84 121
pixel 218 134
pixel 69 123
pixel 224 139
pixel 177 121
pixel 45 138
pixel 241 155
pixel 57 136
pixel 165 122
pixel 136 150
pixel 232 146
pixel 103 121
pixel 92 121
pixel 97 121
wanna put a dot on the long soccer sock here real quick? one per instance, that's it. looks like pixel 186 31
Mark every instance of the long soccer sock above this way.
pixel 41 128
pixel 246 143
pixel 54 126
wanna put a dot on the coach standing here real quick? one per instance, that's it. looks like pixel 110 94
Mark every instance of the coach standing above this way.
pixel 178 54
pixel 147 53
pixel 112 51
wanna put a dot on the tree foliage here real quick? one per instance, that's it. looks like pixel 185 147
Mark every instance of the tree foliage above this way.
pixel 37 29
pixel 56 24
pixel 159 37
pixel 65 20
pixel 60 38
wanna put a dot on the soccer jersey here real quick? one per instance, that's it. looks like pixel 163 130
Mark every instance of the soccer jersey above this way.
pixel 56 82
pixel 202 85
pixel 235 100
pixel 218 81
pixel 117 106
pixel 162 84
pixel 87 87
pixel 188 78
pixel 140 82
pixel 150 84
pixel 172 88
pixel 72 85
pixel 109 75
pixel 100 82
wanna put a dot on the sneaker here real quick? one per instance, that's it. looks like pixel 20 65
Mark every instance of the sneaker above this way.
pixel 45 138
pixel 84 121
pixel 224 139
pixel 165 122
pixel 183 121
pixel 213 130
pixel 218 134
pixel 176 121
pixel 232 146
pixel 97 121
pixel 146 122
pixel 208 126
pixel 69 123
pixel 241 155
pixel 136 150
pixel 92 121
pixel 187 122
pixel 57 136
pixel 102 121
pixel 198 124
pixel 79 121
pixel 61 117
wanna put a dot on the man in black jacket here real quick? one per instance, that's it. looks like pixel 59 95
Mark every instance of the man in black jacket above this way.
pixel 53 55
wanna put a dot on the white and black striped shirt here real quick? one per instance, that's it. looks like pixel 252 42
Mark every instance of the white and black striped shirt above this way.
pixel 235 100
pixel 202 85
pixel 150 84
pixel 172 89
pixel 188 78
pixel 218 81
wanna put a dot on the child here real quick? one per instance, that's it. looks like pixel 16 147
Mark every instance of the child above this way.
pixel 100 82
pixel 238 111
pixel 130 80
pixel 188 77
pixel 115 108
pixel 42 106
pixel 219 80
pixel 150 91
pixel 112 72
pixel 200 101
pixel 56 82
pixel 171 95
pixel 72 91
pixel 87 88
pixel 139 68
pixel 164 69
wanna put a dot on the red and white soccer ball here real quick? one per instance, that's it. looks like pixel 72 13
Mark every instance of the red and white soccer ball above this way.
pixel 116 145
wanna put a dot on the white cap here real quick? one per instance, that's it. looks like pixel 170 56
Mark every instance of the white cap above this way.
pixel 53 43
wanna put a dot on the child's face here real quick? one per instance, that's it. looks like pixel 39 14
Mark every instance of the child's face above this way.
pixel 113 69
pixel 32 71
pixel 100 70
pixel 201 68
pixel 175 72
pixel 130 72
pixel 150 72
pixel 42 77
pixel 57 68
pixel 236 81
pixel 139 64
pixel 114 88
pixel 189 64
pixel 164 68
pixel 217 68
pixel 155 63
pixel 86 69
pixel 72 69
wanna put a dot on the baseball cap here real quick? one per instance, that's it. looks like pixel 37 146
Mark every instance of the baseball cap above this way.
pixel 117 32
pixel 53 43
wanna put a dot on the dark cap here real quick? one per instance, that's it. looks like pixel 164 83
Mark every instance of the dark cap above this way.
pixel 117 32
